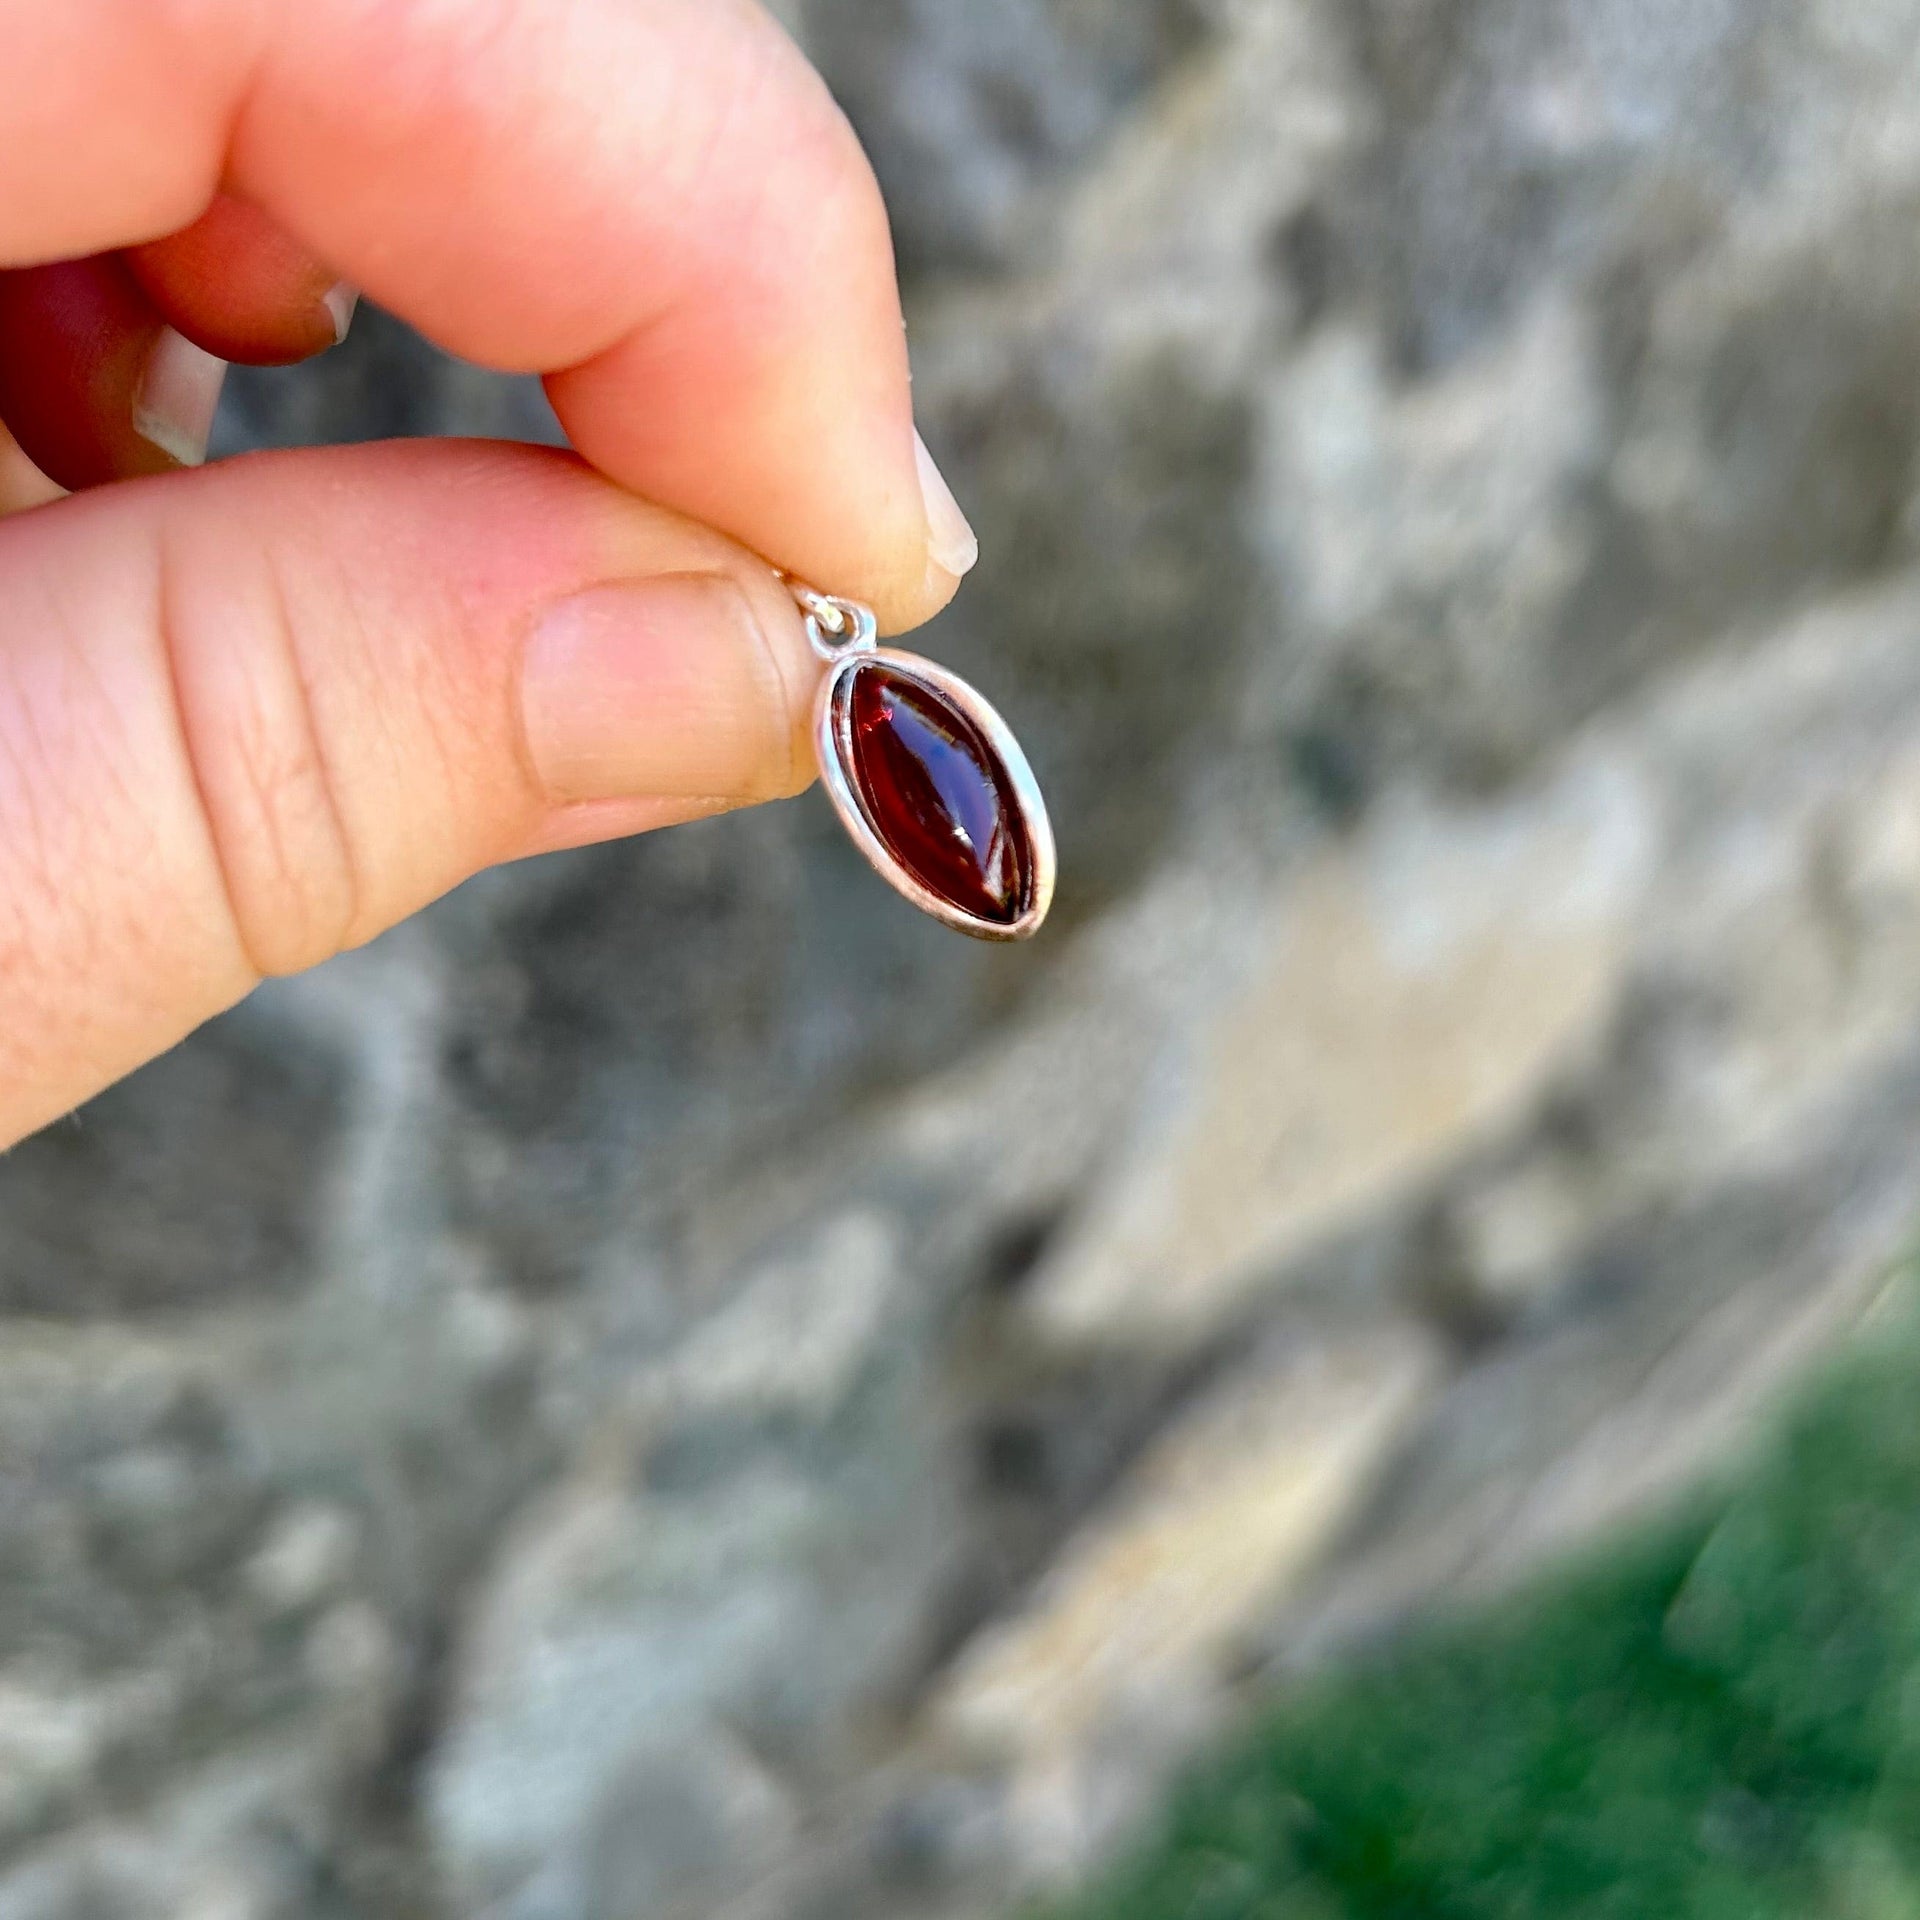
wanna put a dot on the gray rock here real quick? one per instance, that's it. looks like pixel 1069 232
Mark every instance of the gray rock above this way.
pixel 971 117
pixel 580 1408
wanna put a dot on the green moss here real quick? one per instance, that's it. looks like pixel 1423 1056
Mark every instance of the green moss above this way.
pixel 1718 1720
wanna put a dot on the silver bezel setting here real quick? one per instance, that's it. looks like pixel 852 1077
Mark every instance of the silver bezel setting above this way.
pixel 833 747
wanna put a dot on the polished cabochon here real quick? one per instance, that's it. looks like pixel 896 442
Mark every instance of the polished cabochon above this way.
pixel 935 791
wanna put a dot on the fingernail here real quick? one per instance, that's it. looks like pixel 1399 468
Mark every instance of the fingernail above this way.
pixel 951 544
pixel 340 299
pixel 177 397
pixel 655 687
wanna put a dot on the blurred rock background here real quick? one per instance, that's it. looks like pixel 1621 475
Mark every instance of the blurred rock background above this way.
pixel 672 1387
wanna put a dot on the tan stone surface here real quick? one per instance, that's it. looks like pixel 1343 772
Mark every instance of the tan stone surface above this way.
pixel 1414 996
pixel 1127 1633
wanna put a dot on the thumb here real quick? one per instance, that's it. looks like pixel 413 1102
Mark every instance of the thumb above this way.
pixel 253 715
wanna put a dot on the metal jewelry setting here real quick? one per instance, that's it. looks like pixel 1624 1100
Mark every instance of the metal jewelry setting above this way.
pixel 948 774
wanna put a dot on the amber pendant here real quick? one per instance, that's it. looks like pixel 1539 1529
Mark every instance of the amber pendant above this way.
pixel 928 779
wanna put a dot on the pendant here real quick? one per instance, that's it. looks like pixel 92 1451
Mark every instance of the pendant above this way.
pixel 927 779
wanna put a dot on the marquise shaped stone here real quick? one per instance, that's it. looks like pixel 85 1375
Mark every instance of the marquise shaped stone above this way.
pixel 936 794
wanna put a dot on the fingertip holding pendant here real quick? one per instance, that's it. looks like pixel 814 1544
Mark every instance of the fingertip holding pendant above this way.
pixel 927 779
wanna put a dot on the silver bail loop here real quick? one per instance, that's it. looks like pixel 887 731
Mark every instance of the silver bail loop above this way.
pixel 836 626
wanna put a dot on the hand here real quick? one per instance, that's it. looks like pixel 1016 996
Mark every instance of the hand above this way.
pixel 253 714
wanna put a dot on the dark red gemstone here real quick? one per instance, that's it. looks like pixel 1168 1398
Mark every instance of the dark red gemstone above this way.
pixel 936 794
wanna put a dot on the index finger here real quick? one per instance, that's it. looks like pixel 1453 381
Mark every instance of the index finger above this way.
pixel 655 203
